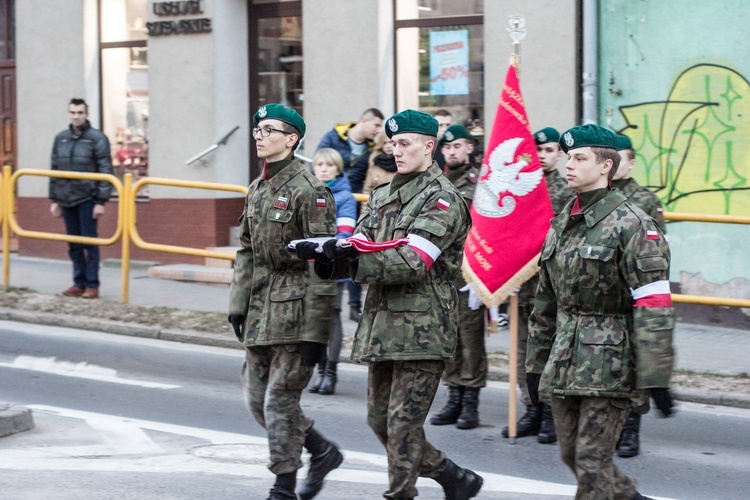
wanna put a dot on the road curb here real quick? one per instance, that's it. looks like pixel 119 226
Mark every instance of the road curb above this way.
pixel 500 374
pixel 14 418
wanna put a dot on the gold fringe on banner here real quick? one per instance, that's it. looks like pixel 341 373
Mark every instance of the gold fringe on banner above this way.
pixel 494 299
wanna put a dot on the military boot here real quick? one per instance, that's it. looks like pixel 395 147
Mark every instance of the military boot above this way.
pixel 469 417
pixel 319 376
pixel 283 489
pixel 629 443
pixel 325 458
pixel 547 427
pixel 329 379
pixel 452 409
pixel 458 483
pixel 529 423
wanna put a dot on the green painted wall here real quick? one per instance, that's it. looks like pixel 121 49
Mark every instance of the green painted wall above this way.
pixel 674 77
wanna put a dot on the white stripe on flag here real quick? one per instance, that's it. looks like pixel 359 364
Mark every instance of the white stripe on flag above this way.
pixel 359 236
pixel 655 288
pixel 425 245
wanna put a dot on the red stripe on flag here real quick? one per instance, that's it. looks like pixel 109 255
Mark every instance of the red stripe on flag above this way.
pixel 344 229
pixel 660 300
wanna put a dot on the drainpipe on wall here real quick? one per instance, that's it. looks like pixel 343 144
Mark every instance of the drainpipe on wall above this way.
pixel 590 84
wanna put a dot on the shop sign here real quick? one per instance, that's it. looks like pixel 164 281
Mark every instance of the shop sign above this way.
pixel 449 62
pixel 179 26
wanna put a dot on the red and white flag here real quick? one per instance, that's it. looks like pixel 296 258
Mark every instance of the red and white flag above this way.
pixel 511 211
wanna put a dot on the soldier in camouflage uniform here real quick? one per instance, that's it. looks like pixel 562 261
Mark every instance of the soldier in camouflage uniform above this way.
pixel 419 223
pixel 277 305
pixel 538 419
pixel 466 374
pixel 629 443
pixel 601 328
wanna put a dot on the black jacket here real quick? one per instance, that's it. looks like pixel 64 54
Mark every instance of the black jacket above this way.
pixel 86 152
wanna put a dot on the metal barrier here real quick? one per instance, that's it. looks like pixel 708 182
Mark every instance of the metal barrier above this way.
pixel 127 219
pixel 705 299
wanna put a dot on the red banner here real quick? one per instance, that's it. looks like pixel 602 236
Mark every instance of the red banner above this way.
pixel 511 211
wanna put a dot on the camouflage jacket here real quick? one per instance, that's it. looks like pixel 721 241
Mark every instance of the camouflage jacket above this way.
pixel 588 334
pixel 411 307
pixel 642 198
pixel 464 178
pixel 559 194
pixel 278 294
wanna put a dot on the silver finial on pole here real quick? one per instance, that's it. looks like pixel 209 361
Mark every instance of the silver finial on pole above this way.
pixel 516 31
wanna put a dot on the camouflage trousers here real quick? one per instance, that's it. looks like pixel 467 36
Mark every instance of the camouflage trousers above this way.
pixel 469 367
pixel 525 306
pixel 399 395
pixel 588 429
pixel 273 378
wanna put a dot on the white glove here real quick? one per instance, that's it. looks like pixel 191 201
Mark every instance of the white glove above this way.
pixel 474 302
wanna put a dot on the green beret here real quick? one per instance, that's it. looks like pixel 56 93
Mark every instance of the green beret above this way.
pixel 588 135
pixel 623 142
pixel 411 121
pixel 281 113
pixel 547 134
pixel 454 132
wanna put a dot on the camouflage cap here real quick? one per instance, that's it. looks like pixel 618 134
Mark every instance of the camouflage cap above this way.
pixel 411 121
pixel 281 113
pixel 547 134
pixel 623 142
pixel 454 132
pixel 588 135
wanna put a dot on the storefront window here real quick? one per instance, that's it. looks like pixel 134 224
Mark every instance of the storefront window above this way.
pixel 124 84
pixel 440 62
pixel 280 62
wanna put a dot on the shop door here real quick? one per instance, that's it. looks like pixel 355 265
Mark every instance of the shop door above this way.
pixel 8 115
pixel 275 64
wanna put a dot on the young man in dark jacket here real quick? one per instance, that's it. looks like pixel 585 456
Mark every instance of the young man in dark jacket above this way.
pixel 81 148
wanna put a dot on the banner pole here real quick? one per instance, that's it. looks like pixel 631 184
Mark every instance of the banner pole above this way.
pixel 516 31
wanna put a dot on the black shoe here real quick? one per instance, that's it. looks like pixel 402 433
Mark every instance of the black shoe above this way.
pixel 629 443
pixel 329 379
pixel 325 458
pixel 283 489
pixel 458 483
pixel 355 311
pixel 452 409
pixel 469 417
pixel 547 433
pixel 529 423
pixel 318 380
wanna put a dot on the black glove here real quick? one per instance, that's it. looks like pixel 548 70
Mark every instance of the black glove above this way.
pixel 663 400
pixel 305 250
pixel 311 352
pixel 238 321
pixel 532 384
pixel 335 252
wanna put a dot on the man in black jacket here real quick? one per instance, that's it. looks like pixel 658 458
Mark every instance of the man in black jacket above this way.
pixel 80 202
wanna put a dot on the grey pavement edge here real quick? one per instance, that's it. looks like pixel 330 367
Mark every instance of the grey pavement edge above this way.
pixel 700 348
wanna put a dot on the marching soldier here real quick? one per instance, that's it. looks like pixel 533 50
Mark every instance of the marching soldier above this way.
pixel 629 443
pixel 274 307
pixel 601 328
pixel 411 234
pixel 537 420
pixel 466 374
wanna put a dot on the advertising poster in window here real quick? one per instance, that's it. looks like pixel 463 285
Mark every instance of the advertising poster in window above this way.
pixel 449 62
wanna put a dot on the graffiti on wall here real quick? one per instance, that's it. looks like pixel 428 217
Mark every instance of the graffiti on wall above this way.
pixel 693 149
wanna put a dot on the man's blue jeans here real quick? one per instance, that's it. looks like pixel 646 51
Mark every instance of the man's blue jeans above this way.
pixel 79 221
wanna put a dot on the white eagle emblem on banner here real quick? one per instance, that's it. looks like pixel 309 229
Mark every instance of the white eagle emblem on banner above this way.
pixel 496 194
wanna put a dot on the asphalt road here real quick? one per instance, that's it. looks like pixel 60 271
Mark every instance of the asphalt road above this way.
pixel 123 417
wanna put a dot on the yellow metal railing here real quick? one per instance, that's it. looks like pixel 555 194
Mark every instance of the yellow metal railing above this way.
pixel 127 232
pixel 705 299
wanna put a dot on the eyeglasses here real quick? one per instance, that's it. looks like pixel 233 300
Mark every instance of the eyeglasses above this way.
pixel 266 131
